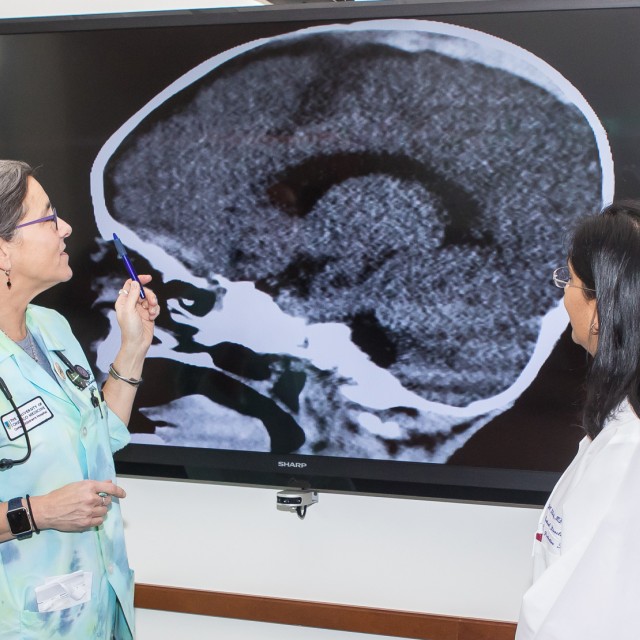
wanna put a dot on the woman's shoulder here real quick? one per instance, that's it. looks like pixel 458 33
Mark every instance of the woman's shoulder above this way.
pixel 623 414
pixel 622 428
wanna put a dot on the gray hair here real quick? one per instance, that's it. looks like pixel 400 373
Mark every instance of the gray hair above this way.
pixel 13 190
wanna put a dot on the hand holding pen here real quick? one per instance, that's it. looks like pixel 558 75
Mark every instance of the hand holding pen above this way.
pixel 136 316
pixel 127 263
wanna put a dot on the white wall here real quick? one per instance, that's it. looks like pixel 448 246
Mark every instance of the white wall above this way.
pixel 417 555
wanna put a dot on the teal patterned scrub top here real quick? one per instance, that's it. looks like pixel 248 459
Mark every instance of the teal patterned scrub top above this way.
pixel 71 440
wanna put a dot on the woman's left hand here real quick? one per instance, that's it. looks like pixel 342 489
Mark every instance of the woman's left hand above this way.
pixel 136 316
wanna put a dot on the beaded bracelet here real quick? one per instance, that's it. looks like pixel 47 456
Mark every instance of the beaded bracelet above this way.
pixel 132 381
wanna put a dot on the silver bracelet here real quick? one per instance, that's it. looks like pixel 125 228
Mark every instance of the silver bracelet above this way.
pixel 114 374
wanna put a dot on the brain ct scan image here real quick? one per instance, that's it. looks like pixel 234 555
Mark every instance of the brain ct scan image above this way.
pixel 353 228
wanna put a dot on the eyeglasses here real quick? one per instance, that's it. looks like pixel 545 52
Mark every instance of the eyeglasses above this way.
pixel 562 279
pixel 53 217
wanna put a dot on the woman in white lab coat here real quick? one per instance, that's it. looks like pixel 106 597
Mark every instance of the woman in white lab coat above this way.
pixel 586 565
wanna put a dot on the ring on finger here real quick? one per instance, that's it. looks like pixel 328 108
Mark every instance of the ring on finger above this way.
pixel 123 292
pixel 103 502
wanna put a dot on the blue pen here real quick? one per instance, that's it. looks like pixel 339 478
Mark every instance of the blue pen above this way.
pixel 127 263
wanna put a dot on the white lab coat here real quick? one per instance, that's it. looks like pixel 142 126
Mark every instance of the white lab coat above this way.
pixel 586 559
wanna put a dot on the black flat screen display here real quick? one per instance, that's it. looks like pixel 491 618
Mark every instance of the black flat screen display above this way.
pixel 351 214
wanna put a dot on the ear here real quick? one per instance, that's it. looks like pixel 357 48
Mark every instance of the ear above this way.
pixel 594 327
pixel 595 322
pixel 5 255
pixel 594 330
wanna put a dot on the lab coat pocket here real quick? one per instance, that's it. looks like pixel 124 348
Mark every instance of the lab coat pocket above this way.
pixel 55 624
pixel 38 625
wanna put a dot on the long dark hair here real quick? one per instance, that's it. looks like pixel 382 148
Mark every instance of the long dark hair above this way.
pixel 605 255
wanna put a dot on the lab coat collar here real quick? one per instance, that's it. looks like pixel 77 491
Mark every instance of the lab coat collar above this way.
pixel 31 370
pixel 49 337
pixel 50 341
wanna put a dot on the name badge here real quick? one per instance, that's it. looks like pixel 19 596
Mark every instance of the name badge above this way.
pixel 551 535
pixel 34 413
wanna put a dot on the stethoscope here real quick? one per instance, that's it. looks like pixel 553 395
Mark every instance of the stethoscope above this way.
pixel 77 374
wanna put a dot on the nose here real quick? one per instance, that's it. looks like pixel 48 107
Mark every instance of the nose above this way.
pixel 64 228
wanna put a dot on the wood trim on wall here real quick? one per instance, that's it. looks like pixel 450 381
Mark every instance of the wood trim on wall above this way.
pixel 402 624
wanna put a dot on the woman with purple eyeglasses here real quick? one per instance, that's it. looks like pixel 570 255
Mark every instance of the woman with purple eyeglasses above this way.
pixel 586 558
pixel 63 565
